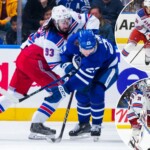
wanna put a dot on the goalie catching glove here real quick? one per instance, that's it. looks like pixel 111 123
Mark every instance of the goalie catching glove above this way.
pixel 57 93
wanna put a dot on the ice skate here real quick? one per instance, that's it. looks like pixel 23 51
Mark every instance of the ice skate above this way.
pixel 147 60
pixel 96 132
pixel 40 132
pixel 81 130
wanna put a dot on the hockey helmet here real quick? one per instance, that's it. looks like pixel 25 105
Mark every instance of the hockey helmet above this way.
pixel 60 13
pixel 87 39
pixel 147 3
pixel 141 85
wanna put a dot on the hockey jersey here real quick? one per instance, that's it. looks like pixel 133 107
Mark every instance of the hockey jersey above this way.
pixel 103 58
pixel 142 22
pixel 52 41
pixel 138 103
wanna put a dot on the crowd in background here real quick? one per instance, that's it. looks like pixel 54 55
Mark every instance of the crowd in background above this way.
pixel 35 12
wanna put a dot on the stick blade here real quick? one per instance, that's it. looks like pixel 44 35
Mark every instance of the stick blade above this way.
pixel 54 140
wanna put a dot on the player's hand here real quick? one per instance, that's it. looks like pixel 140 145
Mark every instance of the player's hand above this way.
pixel 148 36
pixel 57 93
pixel 68 68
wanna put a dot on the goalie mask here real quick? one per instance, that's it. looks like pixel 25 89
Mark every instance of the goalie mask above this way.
pixel 87 42
pixel 62 18
pixel 141 85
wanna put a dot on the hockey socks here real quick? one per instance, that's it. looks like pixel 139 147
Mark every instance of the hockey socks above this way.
pixel 44 112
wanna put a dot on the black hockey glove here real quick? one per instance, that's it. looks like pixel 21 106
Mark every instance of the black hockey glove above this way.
pixel 57 93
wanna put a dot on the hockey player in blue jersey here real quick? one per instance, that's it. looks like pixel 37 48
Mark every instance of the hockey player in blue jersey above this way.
pixel 98 70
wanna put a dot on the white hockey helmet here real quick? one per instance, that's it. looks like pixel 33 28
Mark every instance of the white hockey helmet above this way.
pixel 60 12
pixel 147 3
pixel 141 85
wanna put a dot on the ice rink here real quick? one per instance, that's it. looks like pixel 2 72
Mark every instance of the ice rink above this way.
pixel 14 136
pixel 125 135
pixel 139 61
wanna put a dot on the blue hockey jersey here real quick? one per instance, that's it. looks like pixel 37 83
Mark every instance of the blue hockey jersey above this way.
pixel 103 59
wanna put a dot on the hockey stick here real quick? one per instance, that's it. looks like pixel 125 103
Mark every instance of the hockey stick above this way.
pixel 142 122
pixel 11 97
pixel 59 138
pixel 136 54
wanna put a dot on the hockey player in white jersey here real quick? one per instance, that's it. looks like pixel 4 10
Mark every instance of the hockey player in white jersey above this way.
pixel 41 50
pixel 137 112
pixel 141 32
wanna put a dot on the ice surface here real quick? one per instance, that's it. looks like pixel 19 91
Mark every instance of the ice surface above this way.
pixel 14 136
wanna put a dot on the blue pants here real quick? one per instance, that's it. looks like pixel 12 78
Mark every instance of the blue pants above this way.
pixel 91 99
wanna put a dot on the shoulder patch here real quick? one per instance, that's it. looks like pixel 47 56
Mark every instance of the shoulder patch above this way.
pixel 141 13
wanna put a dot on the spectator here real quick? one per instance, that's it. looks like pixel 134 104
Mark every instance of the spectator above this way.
pixel 47 13
pixel 105 29
pixel 79 6
pixel 110 9
pixel 1 41
pixel 33 13
pixel 11 35
pixel 8 9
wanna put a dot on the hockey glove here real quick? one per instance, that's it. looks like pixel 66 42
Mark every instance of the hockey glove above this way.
pixel 57 93
pixel 68 68
pixel 148 36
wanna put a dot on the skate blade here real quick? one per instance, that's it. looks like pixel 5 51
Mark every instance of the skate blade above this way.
pixel 81 136
pixel 35 136
pixel 95 138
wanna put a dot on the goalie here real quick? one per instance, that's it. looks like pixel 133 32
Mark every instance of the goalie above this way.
pixel 139 112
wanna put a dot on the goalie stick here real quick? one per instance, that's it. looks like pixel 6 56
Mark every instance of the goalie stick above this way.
pixel 16 100
pixel 59 138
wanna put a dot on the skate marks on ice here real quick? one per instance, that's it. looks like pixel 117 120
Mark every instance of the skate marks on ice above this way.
pixel 14 135
pixel 139 61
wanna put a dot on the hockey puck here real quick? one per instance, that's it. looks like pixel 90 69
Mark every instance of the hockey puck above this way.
pixel 148 149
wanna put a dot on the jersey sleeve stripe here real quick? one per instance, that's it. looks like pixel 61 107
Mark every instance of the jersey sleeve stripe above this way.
pixel 115 62
pixel 85 74
pixel 79 77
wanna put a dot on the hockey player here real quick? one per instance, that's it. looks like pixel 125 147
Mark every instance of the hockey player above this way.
pixel 136 113
pixel 141 32
pixel 147 94
pixel 97 72
pixel 41 50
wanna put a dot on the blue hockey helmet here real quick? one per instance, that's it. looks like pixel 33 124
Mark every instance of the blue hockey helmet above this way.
pixel 87 39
